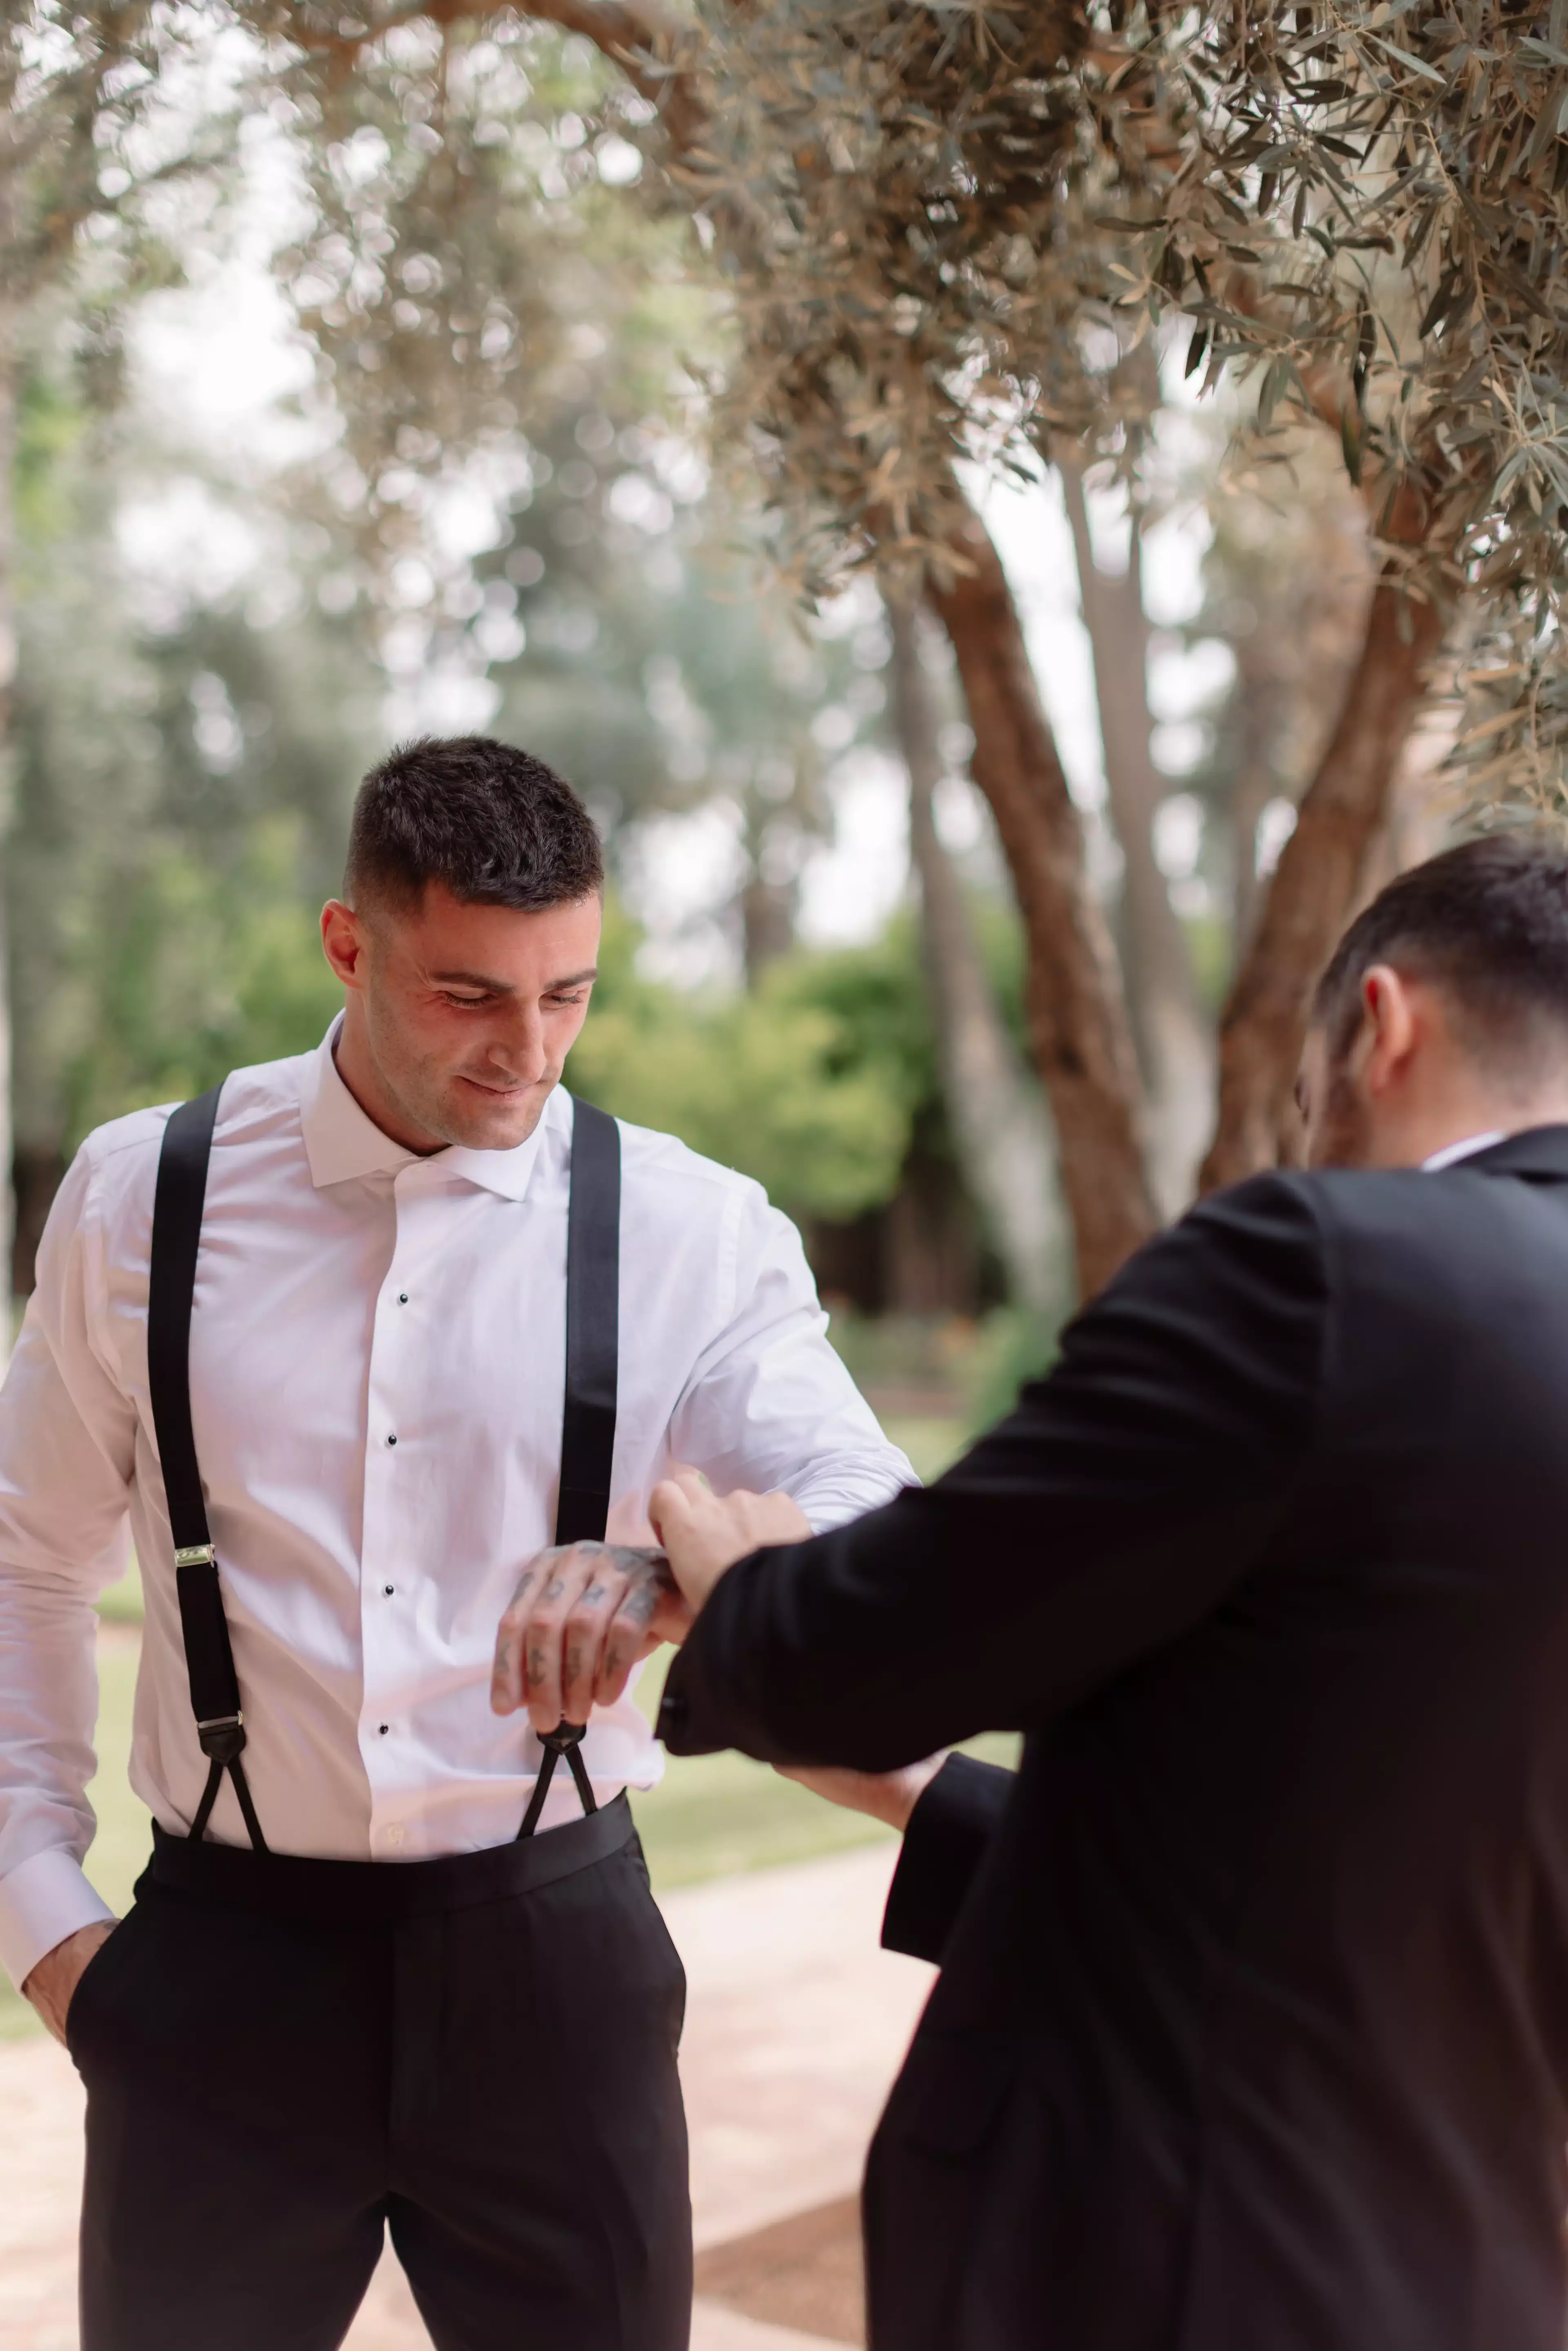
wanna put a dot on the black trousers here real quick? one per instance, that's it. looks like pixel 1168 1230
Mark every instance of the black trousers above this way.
pixel 282 2058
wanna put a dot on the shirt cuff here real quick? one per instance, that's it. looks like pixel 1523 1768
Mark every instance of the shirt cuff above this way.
pixel 42 1901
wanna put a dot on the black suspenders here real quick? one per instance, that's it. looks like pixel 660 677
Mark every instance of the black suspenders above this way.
pixel 588 1436
pixel 588 1423
pixel 172 1282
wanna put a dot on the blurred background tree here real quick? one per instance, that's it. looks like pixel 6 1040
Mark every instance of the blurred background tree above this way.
pixel 100 109
pixel 762 418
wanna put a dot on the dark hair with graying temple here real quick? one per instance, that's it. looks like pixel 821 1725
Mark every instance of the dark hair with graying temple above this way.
pixel 1486 922
pixel 492 824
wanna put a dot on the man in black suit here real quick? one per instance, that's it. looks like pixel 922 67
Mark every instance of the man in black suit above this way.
pixel 1251 2032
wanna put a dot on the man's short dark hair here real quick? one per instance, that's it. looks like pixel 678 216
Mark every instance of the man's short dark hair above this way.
pixel 493 824
pixel 1488 923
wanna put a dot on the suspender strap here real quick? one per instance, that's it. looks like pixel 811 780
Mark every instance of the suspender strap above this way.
pixel 592 1351
pixel 209 1659
pixel 593 1327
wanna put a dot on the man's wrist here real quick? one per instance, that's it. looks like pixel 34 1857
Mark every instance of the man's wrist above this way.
pixel 886 1796
pixel 905 1788
pixel 44 1900
pixel 51 1986
pixel 81 1940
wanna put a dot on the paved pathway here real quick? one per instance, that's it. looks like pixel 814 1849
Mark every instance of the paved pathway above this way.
pixel 795 2025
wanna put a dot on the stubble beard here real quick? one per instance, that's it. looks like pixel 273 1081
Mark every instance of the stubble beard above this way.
pixel 455 1115
pixel 466 1120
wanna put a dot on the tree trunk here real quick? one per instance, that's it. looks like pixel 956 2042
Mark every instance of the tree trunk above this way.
pixel 38 1174
pixel 1174 1038
pixel 1257 782
pixel 1078 1020
pixel 998 1120
pixel 1314 889
pixel 767 912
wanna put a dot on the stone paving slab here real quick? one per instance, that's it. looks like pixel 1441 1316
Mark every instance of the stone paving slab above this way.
pixel 796 2022
pixel 807 2272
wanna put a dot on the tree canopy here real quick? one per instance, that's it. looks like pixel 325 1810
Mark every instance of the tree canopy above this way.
pixel 944 226
pixel 555 257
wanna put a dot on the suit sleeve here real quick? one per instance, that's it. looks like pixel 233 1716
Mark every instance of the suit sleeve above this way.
pixel 948 1836
pixel 1124 1498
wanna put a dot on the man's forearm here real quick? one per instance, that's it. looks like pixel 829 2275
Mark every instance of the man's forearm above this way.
pixel 889 1797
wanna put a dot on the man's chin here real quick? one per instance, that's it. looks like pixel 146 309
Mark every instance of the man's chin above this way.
pixel 478 1118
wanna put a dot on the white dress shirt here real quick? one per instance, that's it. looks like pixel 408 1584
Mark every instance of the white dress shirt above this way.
pixel 377 1366
pixel 1452 1153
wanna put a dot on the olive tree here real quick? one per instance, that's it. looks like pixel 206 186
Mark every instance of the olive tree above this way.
pixel 944 237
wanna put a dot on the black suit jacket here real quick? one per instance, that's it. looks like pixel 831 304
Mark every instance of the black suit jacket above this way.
pixel 1251 2032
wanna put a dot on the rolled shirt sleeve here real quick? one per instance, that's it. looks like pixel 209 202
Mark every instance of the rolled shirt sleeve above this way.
pixel 770 1405
pixel 67 1450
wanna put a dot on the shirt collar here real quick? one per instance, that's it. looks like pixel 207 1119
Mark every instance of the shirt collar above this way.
pixel 1537 1152
pixel 1452 1152
pixel 341 1142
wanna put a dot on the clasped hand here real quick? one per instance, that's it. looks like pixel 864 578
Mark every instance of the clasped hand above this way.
pixel 585 1613
pixel 582 1615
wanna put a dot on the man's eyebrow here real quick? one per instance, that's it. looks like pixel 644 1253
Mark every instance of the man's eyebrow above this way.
pixel 493 987
pixel 473 979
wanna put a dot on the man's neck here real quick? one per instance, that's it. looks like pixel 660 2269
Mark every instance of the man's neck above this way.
pixel 1472 1125
pixel 351 1057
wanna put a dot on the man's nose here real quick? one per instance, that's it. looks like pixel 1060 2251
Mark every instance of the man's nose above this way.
pixel 520 1046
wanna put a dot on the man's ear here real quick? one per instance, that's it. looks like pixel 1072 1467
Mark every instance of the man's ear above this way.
pixel 343 942
pixel 1389 1028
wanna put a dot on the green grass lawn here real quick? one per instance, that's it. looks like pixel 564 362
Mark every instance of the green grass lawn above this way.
pixel 121 1603
pixel 711 1815
pixel 931 1444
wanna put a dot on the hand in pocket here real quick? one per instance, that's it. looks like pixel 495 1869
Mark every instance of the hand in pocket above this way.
pixel 52 1985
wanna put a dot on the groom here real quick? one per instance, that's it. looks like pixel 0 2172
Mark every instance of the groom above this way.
pixel 1251 2032
pixel 341 1344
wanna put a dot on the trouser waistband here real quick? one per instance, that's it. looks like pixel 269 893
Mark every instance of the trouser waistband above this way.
pixel 380 1893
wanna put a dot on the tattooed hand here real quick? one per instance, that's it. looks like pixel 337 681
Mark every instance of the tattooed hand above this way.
pixel 581 1617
